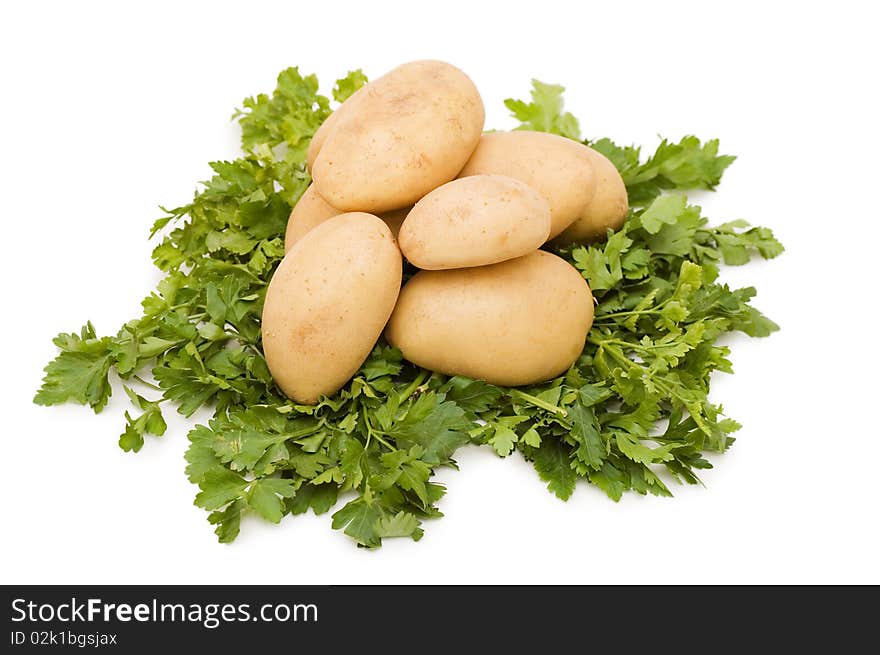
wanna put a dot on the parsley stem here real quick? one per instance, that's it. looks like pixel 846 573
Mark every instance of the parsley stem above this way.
pixel 634 312
pixel 537 402
pixel 415 384
pixel 227 266
pixel 383 442
pixel 621 342
pixel 373 433
pixel 629 313
pixel 149 384
pixel 662 386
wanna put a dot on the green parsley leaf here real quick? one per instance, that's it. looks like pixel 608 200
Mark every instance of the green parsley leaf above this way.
pixel 150 422
pixel 545 112
pixel 553 463
pixel 265 494
pixel 346 86
pixel 438 427
pixel 359 519
pixel 503 440
pixel 79 372
pixel 317 497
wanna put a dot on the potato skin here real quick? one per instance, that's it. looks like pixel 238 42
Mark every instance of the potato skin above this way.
pixel 312 210
pixel 327 304
pixel 320 136
pixel 326 127
pixel 607 209
pixel 475 221
pixel 518 322
pixel 399 137
pixel 559 169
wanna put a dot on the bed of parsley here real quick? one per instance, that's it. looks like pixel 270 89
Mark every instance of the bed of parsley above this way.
pixel 631 414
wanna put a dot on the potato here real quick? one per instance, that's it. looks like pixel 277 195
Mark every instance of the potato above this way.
pixel 607 209
pixel 328 303
pixel 559 169
pixel 399 137
pixel 522 321
pixel 474 221
pixel 326 127
pixel 320 135
pixel 312 210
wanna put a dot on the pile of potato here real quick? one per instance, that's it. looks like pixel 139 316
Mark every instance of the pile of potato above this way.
pixel 403 169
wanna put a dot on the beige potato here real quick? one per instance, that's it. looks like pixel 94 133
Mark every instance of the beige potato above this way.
pixel 607 209
pixel 559 169
pixel 399 137
pixel 312 210
pixel 327 304
pixel 321 133
pixel 522 321
pixel 475 221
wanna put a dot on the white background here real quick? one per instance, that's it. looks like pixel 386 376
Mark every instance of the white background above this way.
pixel 108 111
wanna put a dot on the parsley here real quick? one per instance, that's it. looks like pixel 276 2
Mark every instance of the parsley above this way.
pixel 632 414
